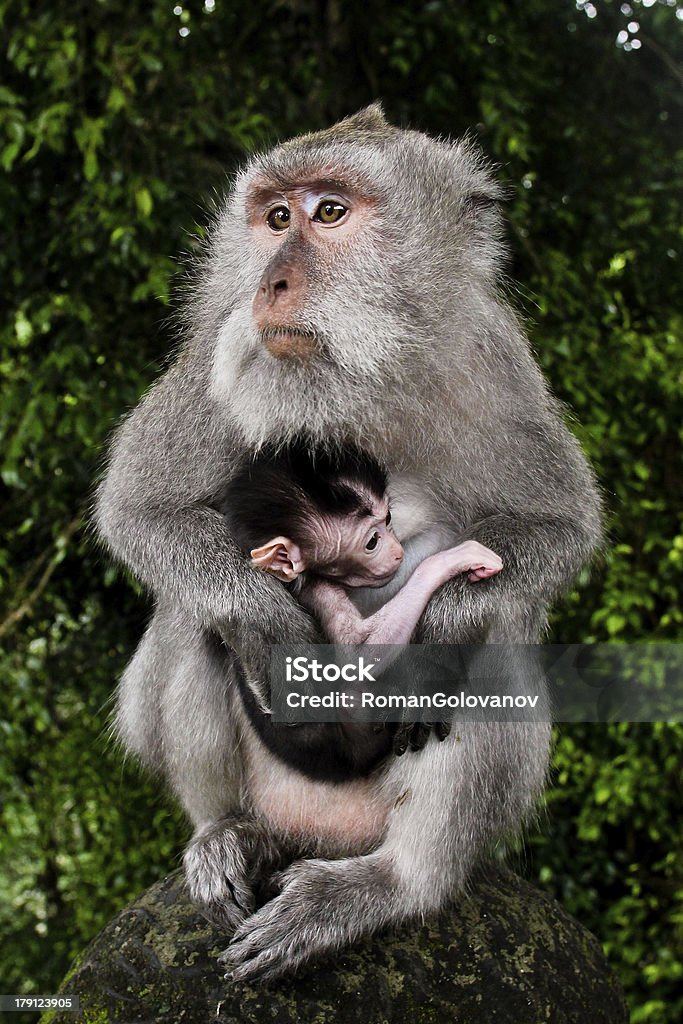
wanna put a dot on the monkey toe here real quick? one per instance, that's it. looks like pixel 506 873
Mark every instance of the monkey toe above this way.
pixel 401 740
pixel 260 954
pixel 418 736
pixel 285 933
pixel 413 735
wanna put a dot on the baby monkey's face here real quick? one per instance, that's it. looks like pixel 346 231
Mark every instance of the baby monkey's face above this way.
pixel 358 549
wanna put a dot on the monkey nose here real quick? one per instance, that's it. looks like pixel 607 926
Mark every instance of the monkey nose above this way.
pixel 276 288
pixel 271 290
pixel 274 294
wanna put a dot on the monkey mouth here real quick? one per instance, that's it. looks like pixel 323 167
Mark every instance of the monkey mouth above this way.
pixel 289 342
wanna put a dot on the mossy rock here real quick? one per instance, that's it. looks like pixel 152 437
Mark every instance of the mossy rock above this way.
pixel 505 952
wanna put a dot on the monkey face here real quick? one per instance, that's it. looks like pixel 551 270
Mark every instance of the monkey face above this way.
pixel 304 227
pixel 339 265
pixel 358 551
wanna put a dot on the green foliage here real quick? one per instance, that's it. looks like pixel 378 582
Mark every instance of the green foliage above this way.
pixel 115 133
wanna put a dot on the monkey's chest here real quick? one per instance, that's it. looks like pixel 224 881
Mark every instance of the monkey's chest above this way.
pixel 340 818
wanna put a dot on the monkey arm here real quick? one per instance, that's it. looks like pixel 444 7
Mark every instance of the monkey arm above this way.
pixel 541 554
pixel 392 624
pixel 395 622
pixel 330 603
pixel 536 504
pixel 154 511
pixel 154 505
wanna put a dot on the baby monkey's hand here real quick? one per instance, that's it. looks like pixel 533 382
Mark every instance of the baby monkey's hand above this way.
pixel 471 557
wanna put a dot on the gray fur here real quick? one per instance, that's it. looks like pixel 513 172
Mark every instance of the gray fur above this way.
pixel 427 368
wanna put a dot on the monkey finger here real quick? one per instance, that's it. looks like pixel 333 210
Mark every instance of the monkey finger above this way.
pixel 442 730
pixel 477 574
pixel 225 905
pixel 234 955
pixel 280 943
pixel 484 571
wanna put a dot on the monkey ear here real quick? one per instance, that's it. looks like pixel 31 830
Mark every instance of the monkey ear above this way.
pixel 281 557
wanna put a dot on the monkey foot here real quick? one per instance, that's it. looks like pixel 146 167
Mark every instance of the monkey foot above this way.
pixel 416 734
pixel 288 931
pixel 216 870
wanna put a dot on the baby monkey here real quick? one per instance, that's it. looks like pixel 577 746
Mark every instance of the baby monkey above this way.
pixel 321 522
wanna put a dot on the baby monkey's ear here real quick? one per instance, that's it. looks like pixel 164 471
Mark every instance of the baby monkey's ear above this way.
pixel 281 557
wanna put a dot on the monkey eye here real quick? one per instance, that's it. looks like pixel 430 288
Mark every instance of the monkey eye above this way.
pixel 278 218
pixel 329 212
pixel 388 519
pixel 372 543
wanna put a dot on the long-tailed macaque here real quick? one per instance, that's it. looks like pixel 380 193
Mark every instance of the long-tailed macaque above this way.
pixel 349 290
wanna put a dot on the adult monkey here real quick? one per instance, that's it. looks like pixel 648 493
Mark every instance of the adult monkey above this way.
pixel 349 289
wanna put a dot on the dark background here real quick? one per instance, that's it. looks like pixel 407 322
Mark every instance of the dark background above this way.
pixel 118 123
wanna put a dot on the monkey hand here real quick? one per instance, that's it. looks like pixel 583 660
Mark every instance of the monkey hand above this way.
pixel 414 735
pixel 220 864
pixel 470 557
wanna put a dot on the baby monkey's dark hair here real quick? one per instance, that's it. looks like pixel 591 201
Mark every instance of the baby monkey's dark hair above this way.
pixel 285 491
